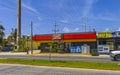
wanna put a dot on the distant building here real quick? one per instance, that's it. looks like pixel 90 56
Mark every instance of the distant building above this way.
pixel 108 41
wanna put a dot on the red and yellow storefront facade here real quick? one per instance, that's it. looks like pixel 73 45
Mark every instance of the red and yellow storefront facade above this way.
pixel 71 41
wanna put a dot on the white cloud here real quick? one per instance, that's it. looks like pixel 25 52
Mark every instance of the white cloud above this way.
pixel 30 8
pixel 39 18
pixel 33 10
pixel 56 4
pixel 66 30
pixel 107 30
pixel 64 21
pixel 76 29
pixel 118 29
pixel 88 6
pixel 105 16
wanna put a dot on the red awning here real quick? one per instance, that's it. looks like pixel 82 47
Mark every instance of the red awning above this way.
pixel 79 36
pixel 42 37
pixel 69 36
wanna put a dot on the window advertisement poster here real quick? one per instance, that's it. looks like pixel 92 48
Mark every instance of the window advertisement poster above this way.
pixel 100 48
pixel 85 49
pixel 75 49
pixel 103 49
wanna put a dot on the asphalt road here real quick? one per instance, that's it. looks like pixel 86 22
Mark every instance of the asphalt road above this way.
pixel 7 69
pixel 68 58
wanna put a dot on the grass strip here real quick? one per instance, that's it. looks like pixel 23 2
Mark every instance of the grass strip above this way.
pixel 71 64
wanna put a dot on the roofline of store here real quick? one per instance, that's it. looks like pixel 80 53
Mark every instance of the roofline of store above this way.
pixel 66 33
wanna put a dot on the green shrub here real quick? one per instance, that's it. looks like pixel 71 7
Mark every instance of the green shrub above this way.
pixel 20 50
pixel 94 52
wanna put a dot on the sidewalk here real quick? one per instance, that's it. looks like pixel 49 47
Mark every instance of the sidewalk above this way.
pixel 70 54
pixel 52 54
pixel 12 53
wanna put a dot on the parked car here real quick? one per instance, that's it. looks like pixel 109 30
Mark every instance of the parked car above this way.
pixel 115 55
pixel 7 48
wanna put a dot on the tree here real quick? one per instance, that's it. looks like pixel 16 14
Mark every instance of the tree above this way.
pixel 55 47
pixel 9 39
pixel 1 33
pixel 14 35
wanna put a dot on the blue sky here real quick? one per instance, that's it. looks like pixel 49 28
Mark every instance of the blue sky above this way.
pixel 69 15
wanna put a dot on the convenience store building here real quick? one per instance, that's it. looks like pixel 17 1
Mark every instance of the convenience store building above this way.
pixel 71 42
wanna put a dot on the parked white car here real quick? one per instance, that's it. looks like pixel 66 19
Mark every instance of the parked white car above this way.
pixel 115 55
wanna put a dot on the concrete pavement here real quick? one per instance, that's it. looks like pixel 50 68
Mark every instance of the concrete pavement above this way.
pixel 53 54
pixel 12 53
pixel 13 69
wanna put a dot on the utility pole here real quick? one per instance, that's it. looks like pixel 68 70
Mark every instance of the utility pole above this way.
pixel 55 32
pixel 85 23
pixel 31 37
pixel 55 28
pixel 19 25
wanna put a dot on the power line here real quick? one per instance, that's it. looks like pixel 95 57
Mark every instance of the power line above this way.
pixel 3 5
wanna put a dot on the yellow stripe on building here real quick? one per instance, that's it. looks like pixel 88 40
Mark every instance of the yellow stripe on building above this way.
pixel 81 40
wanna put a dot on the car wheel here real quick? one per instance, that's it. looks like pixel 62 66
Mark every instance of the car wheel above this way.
pixel 117 57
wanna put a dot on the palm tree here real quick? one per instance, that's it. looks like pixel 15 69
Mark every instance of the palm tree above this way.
pixel 1 33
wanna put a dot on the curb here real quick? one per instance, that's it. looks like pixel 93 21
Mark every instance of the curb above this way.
pixel 62 54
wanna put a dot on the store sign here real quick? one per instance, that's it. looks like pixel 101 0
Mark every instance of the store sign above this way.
pixel 104 34
pixel 113 34
pixel 108 34
pixel 57 36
